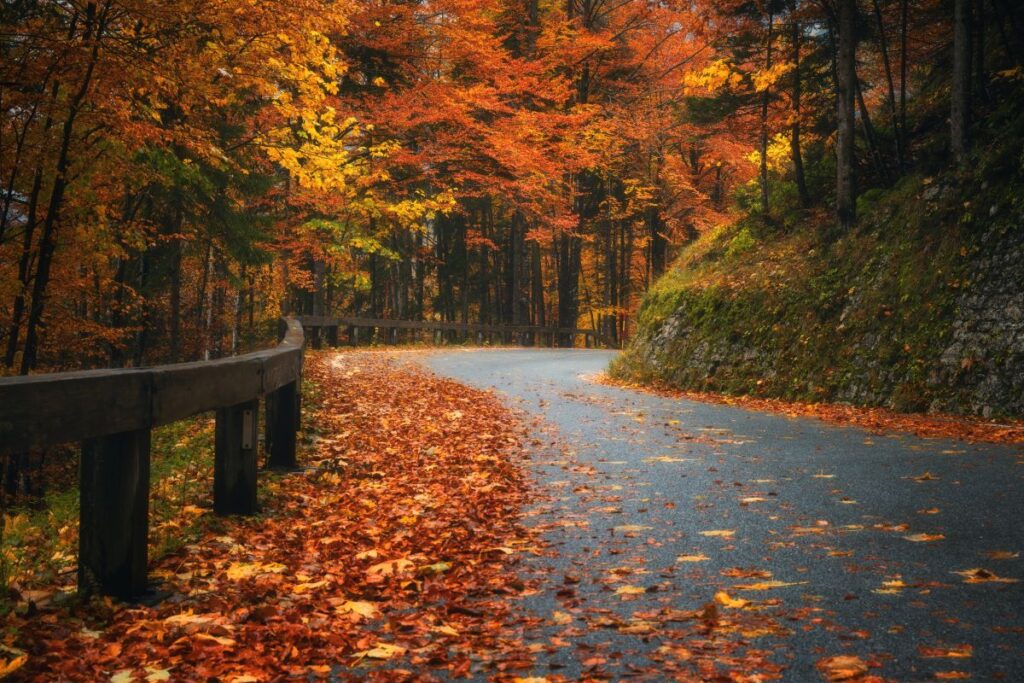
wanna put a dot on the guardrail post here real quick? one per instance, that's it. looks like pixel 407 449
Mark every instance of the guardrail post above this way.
pixel 234 464
pixel 332 336
pixel 282 425
pixel 114 514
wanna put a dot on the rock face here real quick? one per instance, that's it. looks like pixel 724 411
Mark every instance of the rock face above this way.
pixel 982 366
pixel 962 352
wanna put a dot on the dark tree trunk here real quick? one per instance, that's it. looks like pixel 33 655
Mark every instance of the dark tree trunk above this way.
pixel 871 137
pixel 960 106
pixel 883 48
pixel 904 11
pixel 765 101
pixel 568 284
pixel 846 86
pixel 794 140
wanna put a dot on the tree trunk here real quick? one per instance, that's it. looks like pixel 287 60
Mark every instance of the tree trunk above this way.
pixel 794 140
pixel 883 48
pixel 765 101
pixel 960 106
pixel 871 137
pixel 568 284
pixel 846 86
pixel 904 11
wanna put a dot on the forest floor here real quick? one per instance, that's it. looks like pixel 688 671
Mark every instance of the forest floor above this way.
pixel 521 522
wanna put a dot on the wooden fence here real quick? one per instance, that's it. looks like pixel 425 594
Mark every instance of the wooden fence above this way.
pixel 532 335
pixel 112 412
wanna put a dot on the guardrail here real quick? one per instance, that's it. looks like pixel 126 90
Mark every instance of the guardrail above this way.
pixel 542 334
pixel 111 412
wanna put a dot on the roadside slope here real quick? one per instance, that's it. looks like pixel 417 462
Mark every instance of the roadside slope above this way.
pixel 920 309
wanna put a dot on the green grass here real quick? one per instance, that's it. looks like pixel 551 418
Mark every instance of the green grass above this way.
pixel 40 543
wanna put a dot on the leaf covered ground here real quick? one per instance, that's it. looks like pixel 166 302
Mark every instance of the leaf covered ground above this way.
pixel 389 553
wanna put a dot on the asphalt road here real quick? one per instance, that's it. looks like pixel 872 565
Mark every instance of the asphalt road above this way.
pixel 843 543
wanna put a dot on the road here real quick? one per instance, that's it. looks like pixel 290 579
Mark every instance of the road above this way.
pixel 819 541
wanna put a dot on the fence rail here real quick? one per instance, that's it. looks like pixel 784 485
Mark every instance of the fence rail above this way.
pixel 112 412
pixel 535 333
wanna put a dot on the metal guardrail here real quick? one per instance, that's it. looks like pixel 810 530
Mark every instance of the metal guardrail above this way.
pixel 112 412
pixel 534 332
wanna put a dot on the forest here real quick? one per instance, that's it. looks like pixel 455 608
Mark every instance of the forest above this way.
pixel 797 226
pixel 175 175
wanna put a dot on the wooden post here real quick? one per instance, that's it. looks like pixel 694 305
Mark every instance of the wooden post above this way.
pixel 282 425
pixel 234 464
pixel 114 515
pixel 332 336
pixel 314 334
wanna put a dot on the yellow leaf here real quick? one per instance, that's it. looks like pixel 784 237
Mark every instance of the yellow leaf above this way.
pixel 630 590
pixel 123 676
pixel 16 661
pixel 306 587
pixel 924 538
pixel 220 640
pixel 156 675
pixel 693 558
pixel 766 585
pixel 391 567
pixel 720 533
pixel 561 618
pixel 362 608
pixel 244 570
pixel 723 598
pixel 446 630
pixel 382 651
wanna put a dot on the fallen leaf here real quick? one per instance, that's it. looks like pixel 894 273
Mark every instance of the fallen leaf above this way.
pixel 720 533
pixel 245 570
pixel 391 567
pixel 842 667
pixel 955 652
pixel 1001 555
pixel 924 538
pixel 362 608
pixel 767 585
pixel 381 651
pixel 978 575
pixel 693 558
pixel 11 661
pixel 723 598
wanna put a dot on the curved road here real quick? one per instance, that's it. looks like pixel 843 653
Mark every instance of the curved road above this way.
pixel 702 542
